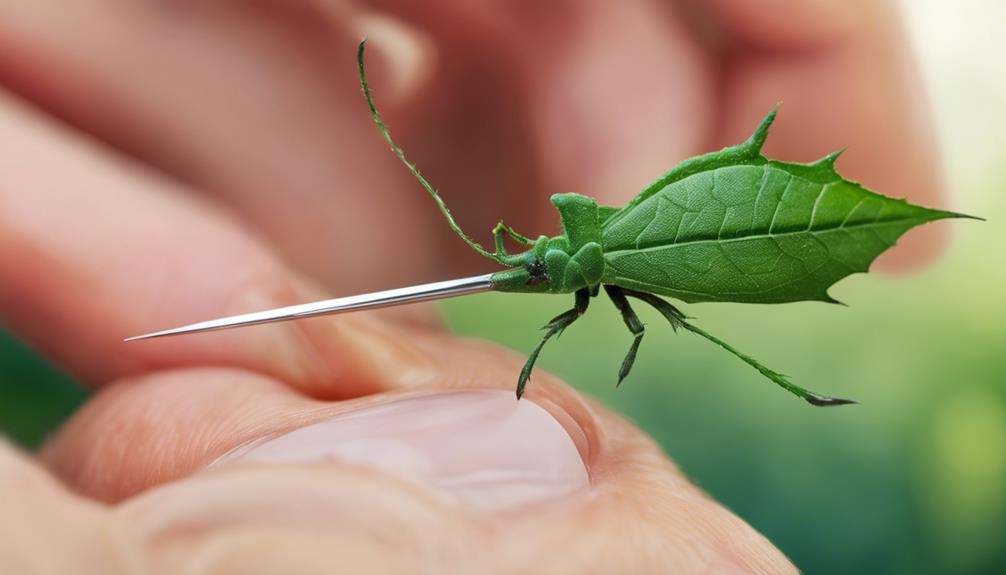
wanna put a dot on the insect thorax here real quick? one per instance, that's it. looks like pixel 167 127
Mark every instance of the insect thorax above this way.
pixel 563 263
pixel 550 267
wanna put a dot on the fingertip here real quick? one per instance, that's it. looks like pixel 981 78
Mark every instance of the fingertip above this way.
pixel 150 429
pixel 756 23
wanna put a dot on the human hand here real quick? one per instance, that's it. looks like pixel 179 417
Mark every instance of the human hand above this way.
pixel 472 480
pixel 469 481
pixel 246 104
pixel 256 105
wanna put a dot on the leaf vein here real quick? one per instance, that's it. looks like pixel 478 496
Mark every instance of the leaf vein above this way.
pixel 813 211
pixel 866 225
pixel 778 204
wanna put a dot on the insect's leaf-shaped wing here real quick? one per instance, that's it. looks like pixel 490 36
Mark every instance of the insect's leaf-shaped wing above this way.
pixel 735 226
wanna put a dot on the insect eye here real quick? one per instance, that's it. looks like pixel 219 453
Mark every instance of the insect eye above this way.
pixel 537 271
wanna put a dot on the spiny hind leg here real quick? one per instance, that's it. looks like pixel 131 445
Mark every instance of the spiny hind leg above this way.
pixel 679 319
pixel 555 326
pixel 500 232
pixel 632 322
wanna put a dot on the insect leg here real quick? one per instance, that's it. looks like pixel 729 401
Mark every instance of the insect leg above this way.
pixel 679 319
pixel 500 232
pixel 632 322
pixel 556 325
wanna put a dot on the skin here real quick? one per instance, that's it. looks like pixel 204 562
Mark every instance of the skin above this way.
pixel 154 171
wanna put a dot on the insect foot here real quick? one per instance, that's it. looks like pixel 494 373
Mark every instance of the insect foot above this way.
pixel 822 401
pixel 553 327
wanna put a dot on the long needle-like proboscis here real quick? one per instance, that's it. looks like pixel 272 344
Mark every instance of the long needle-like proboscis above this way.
pixel 432 291
pixel 388 298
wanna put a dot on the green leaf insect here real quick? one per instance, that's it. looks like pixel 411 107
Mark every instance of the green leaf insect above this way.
pixel 728 226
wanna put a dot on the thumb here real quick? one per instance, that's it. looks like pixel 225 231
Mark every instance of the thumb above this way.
pixel 452 476
pixel 45 529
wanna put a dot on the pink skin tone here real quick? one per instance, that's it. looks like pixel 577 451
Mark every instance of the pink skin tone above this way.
pixel 170 162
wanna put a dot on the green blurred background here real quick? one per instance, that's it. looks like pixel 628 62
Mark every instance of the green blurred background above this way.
pixel 911 481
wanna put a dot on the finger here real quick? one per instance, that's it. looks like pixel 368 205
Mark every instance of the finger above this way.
pixel 614 92
pixel 446 475
pixel 161 427
pixel 847 79
pixel 94 249
pixel 806 24
pixel 45 529
pixel 621 92
pixel 256 103
pixel 692 77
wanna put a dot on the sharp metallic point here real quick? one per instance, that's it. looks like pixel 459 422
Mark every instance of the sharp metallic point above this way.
pixel 400 296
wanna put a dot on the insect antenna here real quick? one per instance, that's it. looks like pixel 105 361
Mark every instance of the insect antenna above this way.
pixel 379 123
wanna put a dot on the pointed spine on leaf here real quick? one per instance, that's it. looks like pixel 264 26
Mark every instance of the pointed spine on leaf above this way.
pixel 756 141
pixel 829 299
pixel 828 162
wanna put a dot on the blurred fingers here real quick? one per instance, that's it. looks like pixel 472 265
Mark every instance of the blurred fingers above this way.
pixel 782 24
pixel 94 248
pixel 620 92
pixel 256 103
pixel 588 96
pixel 45 529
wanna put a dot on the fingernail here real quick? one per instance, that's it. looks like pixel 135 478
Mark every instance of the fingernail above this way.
pixel 482 447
